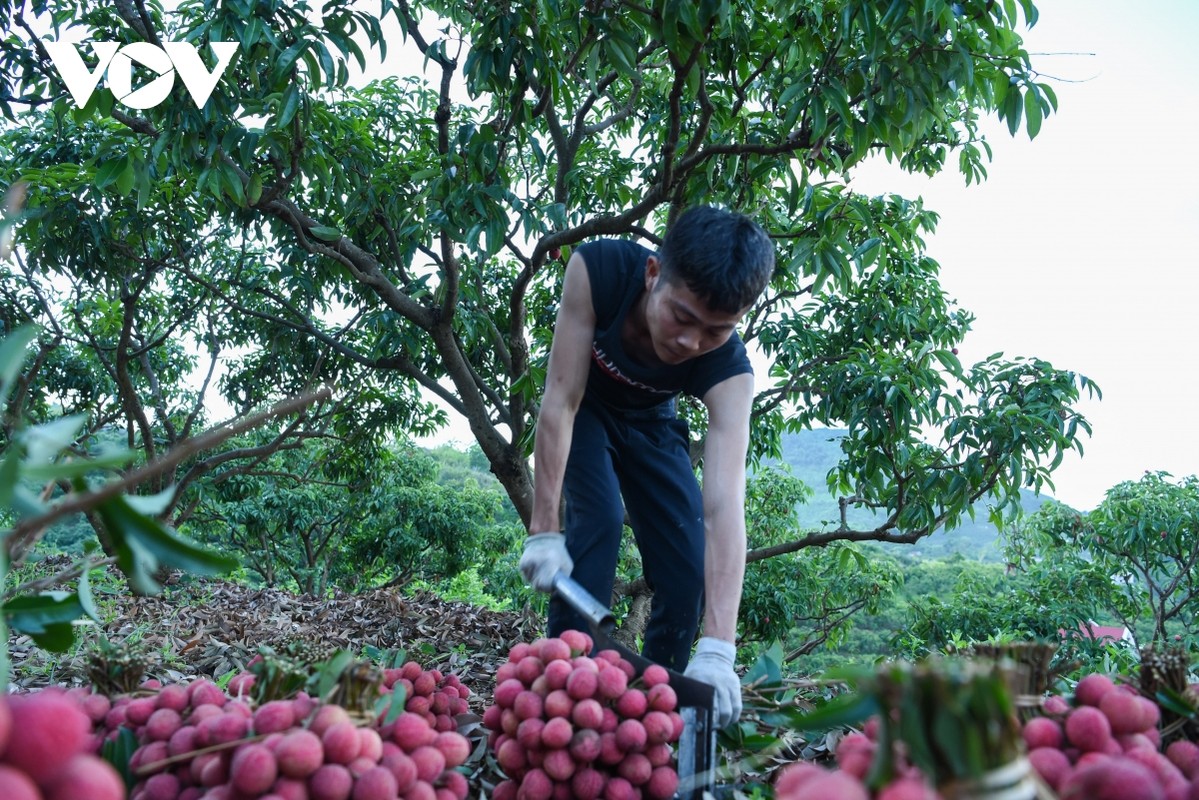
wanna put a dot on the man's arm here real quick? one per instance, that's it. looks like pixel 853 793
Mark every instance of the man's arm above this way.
pixel 565 380
pixel 729 403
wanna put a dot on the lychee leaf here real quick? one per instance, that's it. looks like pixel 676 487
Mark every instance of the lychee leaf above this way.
pixel 118 751
pixel 46 617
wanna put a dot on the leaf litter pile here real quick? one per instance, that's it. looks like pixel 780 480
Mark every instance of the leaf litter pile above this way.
pixel 210 627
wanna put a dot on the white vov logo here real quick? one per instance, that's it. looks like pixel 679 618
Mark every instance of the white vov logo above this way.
pixel 117 61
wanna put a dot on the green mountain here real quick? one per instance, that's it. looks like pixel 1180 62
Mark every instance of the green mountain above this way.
pixel 812 454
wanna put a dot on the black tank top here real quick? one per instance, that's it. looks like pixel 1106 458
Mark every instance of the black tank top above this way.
pixel 616 269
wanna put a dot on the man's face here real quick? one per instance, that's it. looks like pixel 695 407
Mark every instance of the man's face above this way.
pixel 681 326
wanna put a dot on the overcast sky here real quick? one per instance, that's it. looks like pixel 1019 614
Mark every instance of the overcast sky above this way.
pixel 1081 248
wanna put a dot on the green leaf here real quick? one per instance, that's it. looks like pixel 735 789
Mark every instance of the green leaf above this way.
pixel 126 177
pixel 767 670
pixel 118 751
pixel 1032 112
pixel 108 172
pixel 47 617
pixel 331 672
pixel 325 233
pixel 143 544
pixel 44 442
pixel 842 710
pixel 12 356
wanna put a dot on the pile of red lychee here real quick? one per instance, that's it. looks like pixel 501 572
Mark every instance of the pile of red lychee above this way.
pixel 47 751
pixel 1102 745
pixel 197 741
pixel 569 723
pixel 1105 745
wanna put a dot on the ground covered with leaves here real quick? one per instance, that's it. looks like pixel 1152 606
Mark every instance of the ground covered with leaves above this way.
pixel 210 627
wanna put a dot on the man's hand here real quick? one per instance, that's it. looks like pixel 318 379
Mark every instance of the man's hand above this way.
pixel 545 556
pixel 713 664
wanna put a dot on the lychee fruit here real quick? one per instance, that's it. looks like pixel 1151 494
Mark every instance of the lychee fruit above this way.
pixel 1091 688
pixel 1088 729
pixel 1111 779
pixel 51 728
pixel 84 775
pixel 299 753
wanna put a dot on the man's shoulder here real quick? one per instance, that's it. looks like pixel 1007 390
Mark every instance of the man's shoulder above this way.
pixel 614 255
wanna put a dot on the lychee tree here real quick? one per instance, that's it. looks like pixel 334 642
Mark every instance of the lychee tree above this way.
pixel 413 228
pixel 1143 537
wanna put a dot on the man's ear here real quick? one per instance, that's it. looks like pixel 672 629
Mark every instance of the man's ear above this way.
pixel 653 272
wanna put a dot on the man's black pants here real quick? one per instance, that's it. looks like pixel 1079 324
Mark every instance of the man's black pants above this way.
pixel 642 457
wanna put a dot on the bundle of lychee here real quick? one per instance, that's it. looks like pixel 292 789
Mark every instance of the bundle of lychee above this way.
pixel 46 751
pixel 569 723
pixel 1105 745
pixel 195 741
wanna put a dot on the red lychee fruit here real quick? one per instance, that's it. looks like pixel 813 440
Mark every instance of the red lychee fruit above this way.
pixel 830 785
pixel 429 762
pixel 632 704
pixel 535 785
pixel 908 788
pixel 1051 764
pixel 559 765
pixel 1055 705
pixel 507 692
pixel 1123 711
pixel 341 743
pixel 618 788
pixel 662 697
pixel 587 783
pixel 276 715
pixel 84 775
pixel 173 696
pixel 1184 755
pixel 585 746
pixel 635 769
pixel 331 782
pixel 1088 729
pixel 580 642
pixel 454 747
pixel 587 714
pixel 631 736
pixel 1111 779
pixel 552 649
pixel 16 785
pixel 253 769
pixel 1091 689
pixel 412 731
pixel 50 728
pixel 1042 732
pixel 527 704
pixel 512 757
pixel 582 683
pixel 557 733
pixel 556 674
pixel 299 753
pixel 663 783
pixel 162 724
pixel 654 675
pixel 376 783
pixel 203 691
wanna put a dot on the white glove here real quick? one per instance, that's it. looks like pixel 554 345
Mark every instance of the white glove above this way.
pixel 713 664
pixel 544 557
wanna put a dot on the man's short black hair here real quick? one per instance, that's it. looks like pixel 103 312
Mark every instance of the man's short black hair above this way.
pixel 724 257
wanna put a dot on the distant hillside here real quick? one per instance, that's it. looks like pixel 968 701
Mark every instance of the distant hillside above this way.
pixel 812 454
